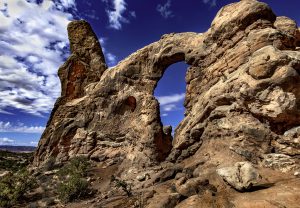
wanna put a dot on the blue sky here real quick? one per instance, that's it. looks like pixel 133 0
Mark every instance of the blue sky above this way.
pixel 33 44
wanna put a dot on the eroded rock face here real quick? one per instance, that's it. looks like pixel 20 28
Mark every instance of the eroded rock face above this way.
pixel 242 97
pixel 242 104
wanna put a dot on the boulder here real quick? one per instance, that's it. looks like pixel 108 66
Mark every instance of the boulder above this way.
pixel 242 176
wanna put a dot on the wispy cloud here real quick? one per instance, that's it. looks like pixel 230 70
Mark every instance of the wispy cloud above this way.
pixel 169 107
pixel 90 14
pixel 110 58
pixel 170 103
pixel 66 4
pixel 6 141
pixel 115 16
pixel 34 143
pixel 211 2
pixel 164 100
pixel 133 14
pixel 20 128
pixel 165 9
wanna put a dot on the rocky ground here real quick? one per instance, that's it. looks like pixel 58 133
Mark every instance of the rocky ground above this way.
pixel 238 145
pixel 179 186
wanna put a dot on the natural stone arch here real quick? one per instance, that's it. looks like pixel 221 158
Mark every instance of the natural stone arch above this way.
pixel 140 74
pixel 242 104
pixel 82 117
pixel 218 80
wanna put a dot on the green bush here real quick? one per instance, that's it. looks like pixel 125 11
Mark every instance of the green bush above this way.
pixel 76 166
pixel 13 187
pixel 73 188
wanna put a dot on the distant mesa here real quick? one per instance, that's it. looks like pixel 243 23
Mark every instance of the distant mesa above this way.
pixel 17 148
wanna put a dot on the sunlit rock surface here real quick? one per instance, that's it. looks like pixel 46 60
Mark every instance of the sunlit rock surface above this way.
pixel 242 104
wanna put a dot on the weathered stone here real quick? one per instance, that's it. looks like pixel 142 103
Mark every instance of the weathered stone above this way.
pixel 167 130
pixel 140 177
pixel 287 145
pixel 241 104
pixel 242 176
pixel 94 99
pixel 167 174
pixel 192 202
pixel 164 200
pixel 286 24
pixel 293 132
pixel 143 177
pixel 192 186
pixel 280 162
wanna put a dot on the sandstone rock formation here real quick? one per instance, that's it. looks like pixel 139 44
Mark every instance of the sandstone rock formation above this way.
pixel 242 104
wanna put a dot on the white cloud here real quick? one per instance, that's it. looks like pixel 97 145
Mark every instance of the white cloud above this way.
pixel 33 44
pixel 5 112
pixel 169 107
pixel 165 10
pixel 133 14
pixel 111 59
pixel 211 2
pixel 115 16
pixel 6 141
pixel 164 100
pixel 20 128
pixel 91 14
pixel 170 102
pixel 66 4
pixel 34 143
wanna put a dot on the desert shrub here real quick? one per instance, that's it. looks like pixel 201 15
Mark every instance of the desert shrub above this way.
pixel 76 166
pixel 122 184
pixel 73 188
pixel 13 187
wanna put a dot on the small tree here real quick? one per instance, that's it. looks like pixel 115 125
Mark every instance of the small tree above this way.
pixel 76 166
pixel 75 186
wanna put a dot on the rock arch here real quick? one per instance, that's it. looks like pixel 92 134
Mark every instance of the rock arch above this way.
pixel 221 89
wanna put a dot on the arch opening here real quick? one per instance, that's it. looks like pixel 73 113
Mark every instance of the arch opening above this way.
pixel 170 92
